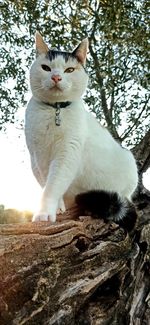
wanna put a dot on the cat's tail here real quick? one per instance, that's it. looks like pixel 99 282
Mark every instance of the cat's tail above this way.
pixel 108 206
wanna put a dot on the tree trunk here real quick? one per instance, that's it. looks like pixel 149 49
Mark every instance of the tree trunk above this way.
pixel 142 153
pixel 77 271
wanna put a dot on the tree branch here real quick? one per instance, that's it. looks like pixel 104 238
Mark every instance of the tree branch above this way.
pixel 125 134
pixel 142 153
pixel 75 272
pixel 105 109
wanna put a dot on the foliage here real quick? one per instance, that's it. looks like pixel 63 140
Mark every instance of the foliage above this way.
pixel 13 215
pixel 117 60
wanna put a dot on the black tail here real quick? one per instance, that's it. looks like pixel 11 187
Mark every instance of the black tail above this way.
pixel 108 206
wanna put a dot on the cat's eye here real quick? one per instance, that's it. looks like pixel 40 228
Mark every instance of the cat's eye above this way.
pixel 69 70
pixel 45 67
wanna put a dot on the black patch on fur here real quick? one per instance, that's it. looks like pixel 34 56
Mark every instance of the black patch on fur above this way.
pixel 99 203
pixel 108 206
pixel 52 54
pixel 129 220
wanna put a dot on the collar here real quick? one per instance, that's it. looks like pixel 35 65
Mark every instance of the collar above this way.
pixel 58 106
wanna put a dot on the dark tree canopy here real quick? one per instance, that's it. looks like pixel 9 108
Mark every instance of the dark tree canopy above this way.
pixel 117 61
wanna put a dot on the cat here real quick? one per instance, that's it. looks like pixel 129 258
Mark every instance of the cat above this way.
pixel 73 157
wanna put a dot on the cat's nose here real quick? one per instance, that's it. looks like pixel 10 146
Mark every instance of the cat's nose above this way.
pixel 56 78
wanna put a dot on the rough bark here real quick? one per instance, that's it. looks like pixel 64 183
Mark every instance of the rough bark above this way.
pixel 142 153
pixel 77 271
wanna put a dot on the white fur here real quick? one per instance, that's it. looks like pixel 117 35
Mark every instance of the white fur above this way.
pixel 71 87
pixel 78 155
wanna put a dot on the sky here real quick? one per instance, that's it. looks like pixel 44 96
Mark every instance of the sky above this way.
pixel 18 187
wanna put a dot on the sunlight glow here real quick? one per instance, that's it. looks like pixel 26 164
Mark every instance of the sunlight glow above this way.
pixel 19 188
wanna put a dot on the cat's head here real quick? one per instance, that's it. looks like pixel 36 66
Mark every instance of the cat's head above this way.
pixel 58 76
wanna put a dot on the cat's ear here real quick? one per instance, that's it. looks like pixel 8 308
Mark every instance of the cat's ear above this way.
pixel 41 46
pixel 81 51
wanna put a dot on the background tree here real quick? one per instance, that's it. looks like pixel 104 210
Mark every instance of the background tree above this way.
pixel 117 60
pixel 14 216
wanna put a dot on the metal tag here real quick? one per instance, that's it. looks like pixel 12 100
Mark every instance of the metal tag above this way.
pixel 57 117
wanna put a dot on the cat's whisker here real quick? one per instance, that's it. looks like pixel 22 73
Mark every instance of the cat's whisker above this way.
pixel 36 87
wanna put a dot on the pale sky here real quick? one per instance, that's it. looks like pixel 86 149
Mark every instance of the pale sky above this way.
pixel 18 187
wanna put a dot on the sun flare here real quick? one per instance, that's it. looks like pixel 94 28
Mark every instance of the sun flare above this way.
pixel 19 189
pixel 22 194
pixel 25 197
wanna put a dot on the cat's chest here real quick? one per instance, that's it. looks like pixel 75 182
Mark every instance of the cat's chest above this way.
pixel 38 124
pixel 46 139
pixel 41 129
pixel 42 133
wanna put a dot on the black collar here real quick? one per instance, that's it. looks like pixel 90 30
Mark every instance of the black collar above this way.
pixel 58 104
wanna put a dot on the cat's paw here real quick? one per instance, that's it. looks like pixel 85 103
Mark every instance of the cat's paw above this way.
pixel 61 207
pixel 47 211
pixel 37 217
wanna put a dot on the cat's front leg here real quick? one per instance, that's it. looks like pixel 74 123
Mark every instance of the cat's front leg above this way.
pixel 62 172
pixel 46 215
pixel 47 212
pixel 61 206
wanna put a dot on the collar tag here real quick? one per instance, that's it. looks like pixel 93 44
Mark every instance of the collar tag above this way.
pixel 57 116
pixel 58 106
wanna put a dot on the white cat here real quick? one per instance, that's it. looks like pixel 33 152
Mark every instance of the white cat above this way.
pixel 71 153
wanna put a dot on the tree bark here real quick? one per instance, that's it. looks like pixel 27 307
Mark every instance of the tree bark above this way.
pixel 142 153
pixel 76 271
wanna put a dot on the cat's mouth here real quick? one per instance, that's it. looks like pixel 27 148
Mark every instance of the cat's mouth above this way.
pixel 55 88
